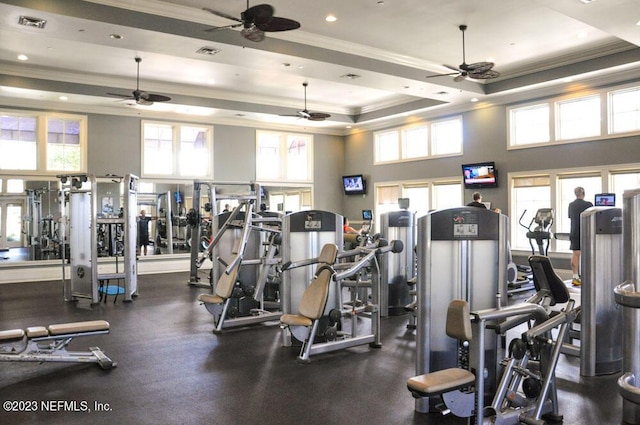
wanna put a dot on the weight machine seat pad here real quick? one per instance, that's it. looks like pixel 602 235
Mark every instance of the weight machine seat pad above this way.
pixel 210 299
pixel 441 381
pixel 78 327
pixel 37 331
pixel 295 320
pixel 11 334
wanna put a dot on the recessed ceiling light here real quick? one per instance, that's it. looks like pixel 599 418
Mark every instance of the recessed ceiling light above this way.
pixel 330 18
pixel 474 99
pixel 115 36
pixel 587 1
pixel 23 57
pixel 28 21
pixel 348 126
pixel 63 98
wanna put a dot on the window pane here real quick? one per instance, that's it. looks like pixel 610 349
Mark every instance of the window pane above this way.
pixel 625 110
pixel 158 149
pixel 528 199
pixel 194 152
pixel 579 118
pixel 18 143
pixel 14 222
pixel 387 146
pixel 591 184
pixel 15 186
pixel 415 142
pixel 297 158
pixel 530 125
pixel 418 198
pixel 63 145
pixel 447 196
pixel 446 137
pixel 624 181
pixel 268 157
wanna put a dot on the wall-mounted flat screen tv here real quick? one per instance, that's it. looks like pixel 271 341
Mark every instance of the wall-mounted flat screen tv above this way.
pixel 480 175
pixel 354 185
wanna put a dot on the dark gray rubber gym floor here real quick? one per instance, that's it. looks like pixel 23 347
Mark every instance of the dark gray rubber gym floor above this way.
pixel 173 370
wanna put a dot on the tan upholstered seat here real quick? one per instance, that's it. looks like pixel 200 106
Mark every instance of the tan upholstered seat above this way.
pixel 37 332
pixel 224 287
pixel 442 381
pixel 313 302
pixel 78 327
pixel 11 334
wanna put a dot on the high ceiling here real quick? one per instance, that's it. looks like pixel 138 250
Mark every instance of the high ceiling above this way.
pixel 367 69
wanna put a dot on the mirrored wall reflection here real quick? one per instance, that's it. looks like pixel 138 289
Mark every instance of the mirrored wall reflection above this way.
pixel 30 212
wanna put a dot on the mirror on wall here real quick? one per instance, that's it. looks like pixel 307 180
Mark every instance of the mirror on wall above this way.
pixel 30 212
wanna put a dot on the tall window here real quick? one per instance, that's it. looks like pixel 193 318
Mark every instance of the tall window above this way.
pixel 621 181
pixel 177 150
pixel 446 195
pixel 63 144
pixel 528 194
pixel 284 157
pixel 624 106
pixel 438 138
pixel 46 143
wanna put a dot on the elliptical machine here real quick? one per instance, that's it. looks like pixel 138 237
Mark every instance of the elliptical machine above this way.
pixel 542 232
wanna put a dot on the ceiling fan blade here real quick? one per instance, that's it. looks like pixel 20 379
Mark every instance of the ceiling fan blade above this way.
pixel 151 97
pixel 221 14
pixel 460 77
pixel 124 96
pixel 258 15
pixel 443 75
pixel 318 116
pixel 479 67
pixel 486 75
pixel 226 27
pixel 279 24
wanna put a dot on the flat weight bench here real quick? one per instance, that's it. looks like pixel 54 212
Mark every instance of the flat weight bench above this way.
pixel 49 344
pixel 447 383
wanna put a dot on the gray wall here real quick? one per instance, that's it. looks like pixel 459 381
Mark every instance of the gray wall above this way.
pixel 485 139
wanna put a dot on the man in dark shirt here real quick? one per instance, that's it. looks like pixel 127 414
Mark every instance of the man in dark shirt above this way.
pixel 477 201
pixel 143 231
pixel 575 209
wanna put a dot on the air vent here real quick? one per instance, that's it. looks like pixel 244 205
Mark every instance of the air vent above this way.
pixel 350 76
pixel 28 21
pixel 208 51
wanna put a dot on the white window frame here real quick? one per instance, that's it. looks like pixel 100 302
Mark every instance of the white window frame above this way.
pixel 606 114
pixel 176 172
pixel 41 140
pixel 283 138
pixel 401 141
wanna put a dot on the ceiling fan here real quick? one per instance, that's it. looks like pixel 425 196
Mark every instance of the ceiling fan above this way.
pixel 477 70
pixel 142 97
pixel 256 20
pixel 305 114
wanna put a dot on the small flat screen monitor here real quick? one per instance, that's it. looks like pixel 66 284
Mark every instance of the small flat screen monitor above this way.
pixel 480 175
pixel 367 215
pixel 605 200
pixel 354 185
pixel 178 197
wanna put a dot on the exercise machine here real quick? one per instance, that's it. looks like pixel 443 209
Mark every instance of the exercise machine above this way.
pixel 601 263
pixel 462 254
pixel 527 389
pixel 79 211
pixel 543 220
pixel 49 344
pixel 342 328
pixel 396 270
pixel 627 295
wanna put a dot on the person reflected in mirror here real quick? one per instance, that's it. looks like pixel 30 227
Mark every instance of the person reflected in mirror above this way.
pixel 143 231
pixel 576 208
